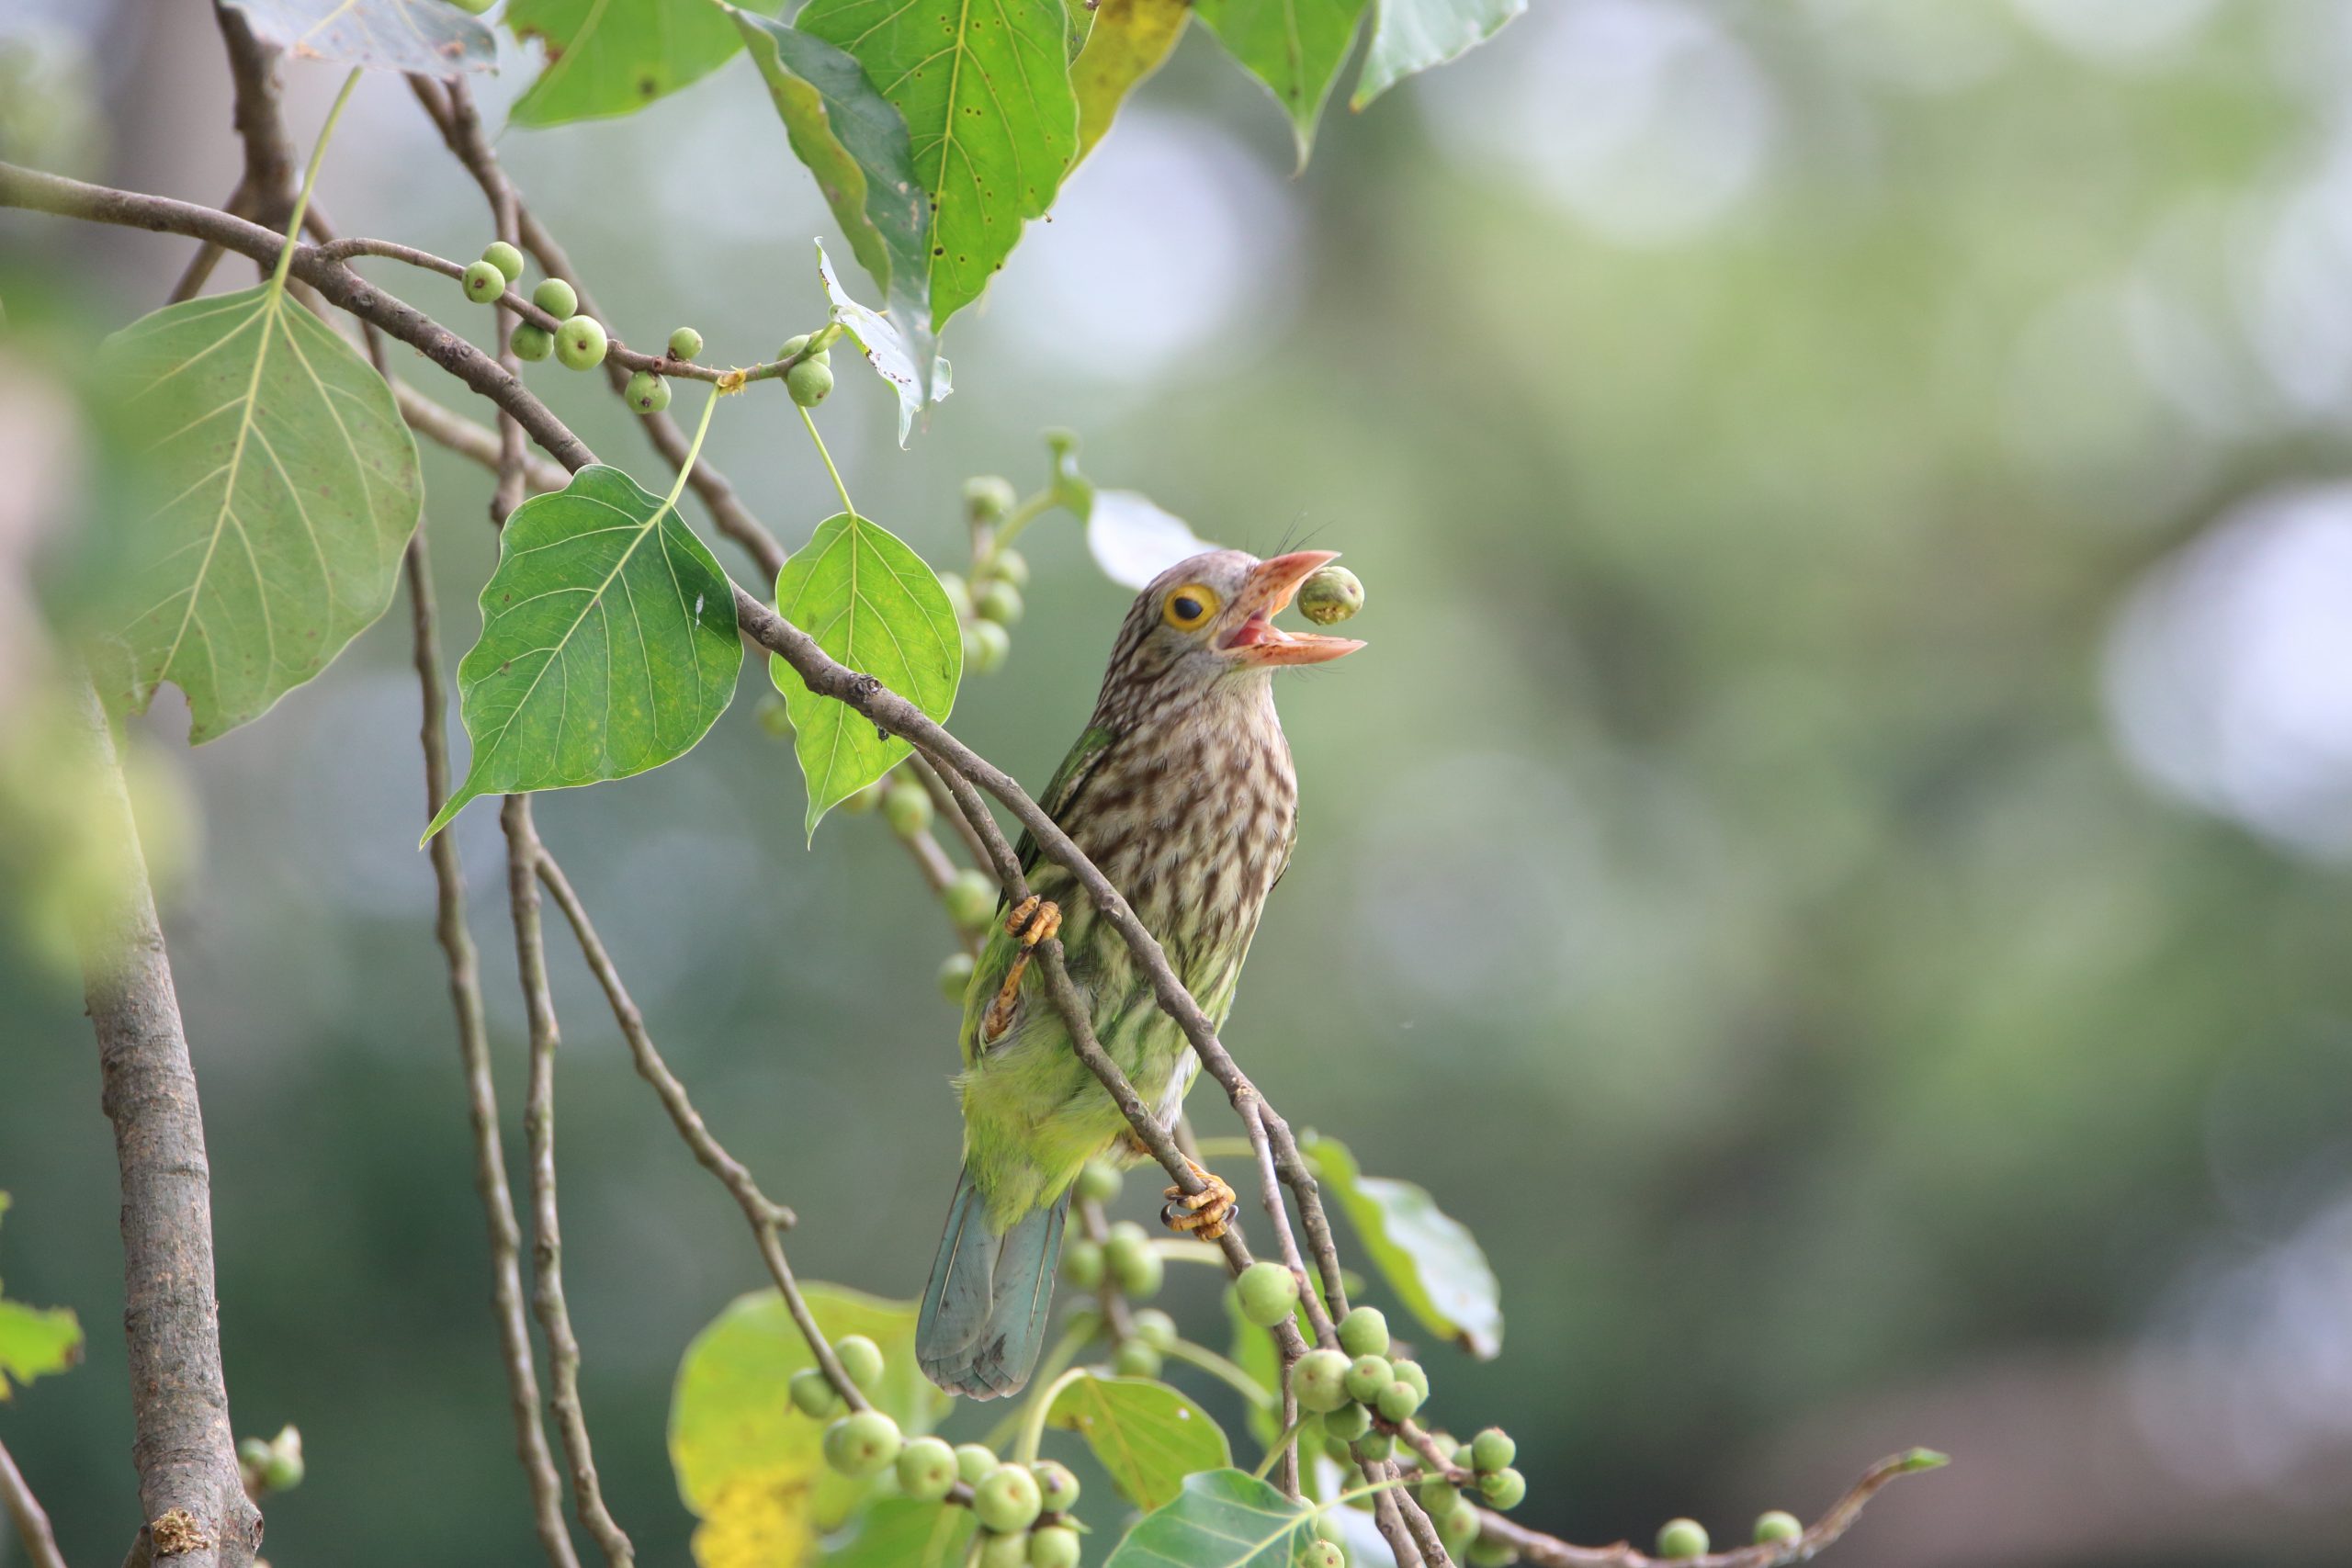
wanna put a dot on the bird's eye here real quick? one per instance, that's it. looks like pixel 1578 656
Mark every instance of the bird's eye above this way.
pixel 1190 605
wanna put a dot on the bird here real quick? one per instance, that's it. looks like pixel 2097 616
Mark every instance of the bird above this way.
pixel 1181 790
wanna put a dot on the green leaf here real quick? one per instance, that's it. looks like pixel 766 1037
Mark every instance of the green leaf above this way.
pixel 743 1456
pixel 35 1341
pixel 1428 1259
pixel 614 57
pixel 873 604
pixel 432 38
pixel 293 488
pixel 1223 1519
pixel 1410 36
pixel 1295 47
pixel 985 91
pixel 899 1532
pixel 897 357
pixel 608 643
pixel 1146 1436
pixel 853 141
pixel 1129 41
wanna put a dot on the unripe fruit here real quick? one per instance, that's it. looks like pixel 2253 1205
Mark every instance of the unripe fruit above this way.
pixel 483 282
pixel 907 808
pixel 1448 1449
pixel 1347 1423
pixel 813 1394
pixel 1007 1499
pixel 974 1461
pixel 971 899
pixel 1098 1181
pixel 1012 566
pixel 1777 1526
pixel 1330 595
pixel 1365 1332
pixel 532 343
pixel 808 382
pixel 1133 1266
pixel 684 344
pixel 1367 1376
pixel 867 799
pixel 986 645
pixel 999 602
pixel 1319 1378
pixel 1322 1553
pixel 1372 1446
pixel 504 257
pixel 647 393
pixel 1504 1488
pixel 1156 1328
pixel 1410 1372
pixel 988 497
pixel 282 1469
pixel 927 1470
pixel 1327 1526
pixel 1486 1553
pixel 253 1454
pixel 792 346
pixel 959 596
pixel 1682 1538
pixel 1457 1527
pixel 1055 1546
pixel 1267 1292
pixel 1437 1494
pixel 1492 1449
pixel 1133 1359
pixel 1055 1485
pixel 580 343
pixel 823 356
pixel 1004 1550
pixel 956 976
pixel 861 1359
pixel 1082 1263
pixel 555 296
pixel 1398 1401
pixel 864 1442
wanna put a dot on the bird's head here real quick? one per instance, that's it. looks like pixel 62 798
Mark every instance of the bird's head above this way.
pixel 1209 620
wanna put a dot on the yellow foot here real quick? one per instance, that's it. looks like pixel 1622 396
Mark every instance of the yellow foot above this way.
pixel 1033 921
pixel 1204 1214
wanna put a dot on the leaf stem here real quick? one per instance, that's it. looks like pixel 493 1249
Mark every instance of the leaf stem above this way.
pixel 838 489
pixel 1065 1351
pixel 1033 1428
pixel 310 178
pixel 687 468
pixel 1019 517
pixel 1275 1451
pixel 1223 1370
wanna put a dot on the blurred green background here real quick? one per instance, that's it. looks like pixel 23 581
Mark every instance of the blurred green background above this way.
pixel 1833 862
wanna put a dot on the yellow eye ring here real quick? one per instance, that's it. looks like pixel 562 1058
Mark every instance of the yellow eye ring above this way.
pixel 1190 605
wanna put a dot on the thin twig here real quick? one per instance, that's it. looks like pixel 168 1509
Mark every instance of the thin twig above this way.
pixel 33 1525
pixel 481 1089
pixel 523 854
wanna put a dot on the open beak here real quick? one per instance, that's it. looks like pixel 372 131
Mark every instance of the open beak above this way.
pixel 1265 594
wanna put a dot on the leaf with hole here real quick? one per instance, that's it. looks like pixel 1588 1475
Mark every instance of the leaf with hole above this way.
pixel 1428 1258
pixel 1295 47
pixel 1410 36
pixel 431 38
pixel 871 603
pixel 608 643
pixel 614 57
pixel 1143 1434
pixel 286 487
pixel 985 91
pixel 897 356
pixel 1223 1519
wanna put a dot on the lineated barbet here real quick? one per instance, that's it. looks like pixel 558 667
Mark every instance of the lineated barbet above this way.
pixel 1181 790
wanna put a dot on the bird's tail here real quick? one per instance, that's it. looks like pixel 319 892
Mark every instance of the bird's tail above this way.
pixel 984 1311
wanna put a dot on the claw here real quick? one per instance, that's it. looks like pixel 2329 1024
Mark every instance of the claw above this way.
pixel 1033 921
pixel 1206 1214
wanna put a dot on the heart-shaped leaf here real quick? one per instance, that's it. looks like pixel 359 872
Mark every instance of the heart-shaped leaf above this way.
pixel 614 57
pixel 1428 1258
pixel 1146 1436
pixel 1410 36
pixel 293 488
pixel 1295 47
pixel 872 603
pixel 1223 1519
pixel 608 643
pixel 432 38
pixel 898 356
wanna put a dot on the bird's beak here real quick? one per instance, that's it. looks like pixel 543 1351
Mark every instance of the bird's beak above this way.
pixel 1265 594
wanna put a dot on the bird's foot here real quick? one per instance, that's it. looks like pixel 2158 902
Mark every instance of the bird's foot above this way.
pixel 1205 1213
pixel 1031 920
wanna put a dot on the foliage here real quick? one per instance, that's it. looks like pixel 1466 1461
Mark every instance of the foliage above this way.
pixel 1146 1436
pixel 1427 1256
pixel 34 1341
pixel 1223 1519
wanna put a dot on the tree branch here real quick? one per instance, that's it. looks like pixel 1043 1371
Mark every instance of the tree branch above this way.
pixel 33 1525
pixel 189 1488
pixel 481 1090
pixel 523 855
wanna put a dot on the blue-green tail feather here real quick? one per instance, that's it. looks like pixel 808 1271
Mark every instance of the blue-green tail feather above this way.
pixel 984 1311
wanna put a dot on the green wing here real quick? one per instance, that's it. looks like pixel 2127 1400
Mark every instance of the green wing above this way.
pixel 996 958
